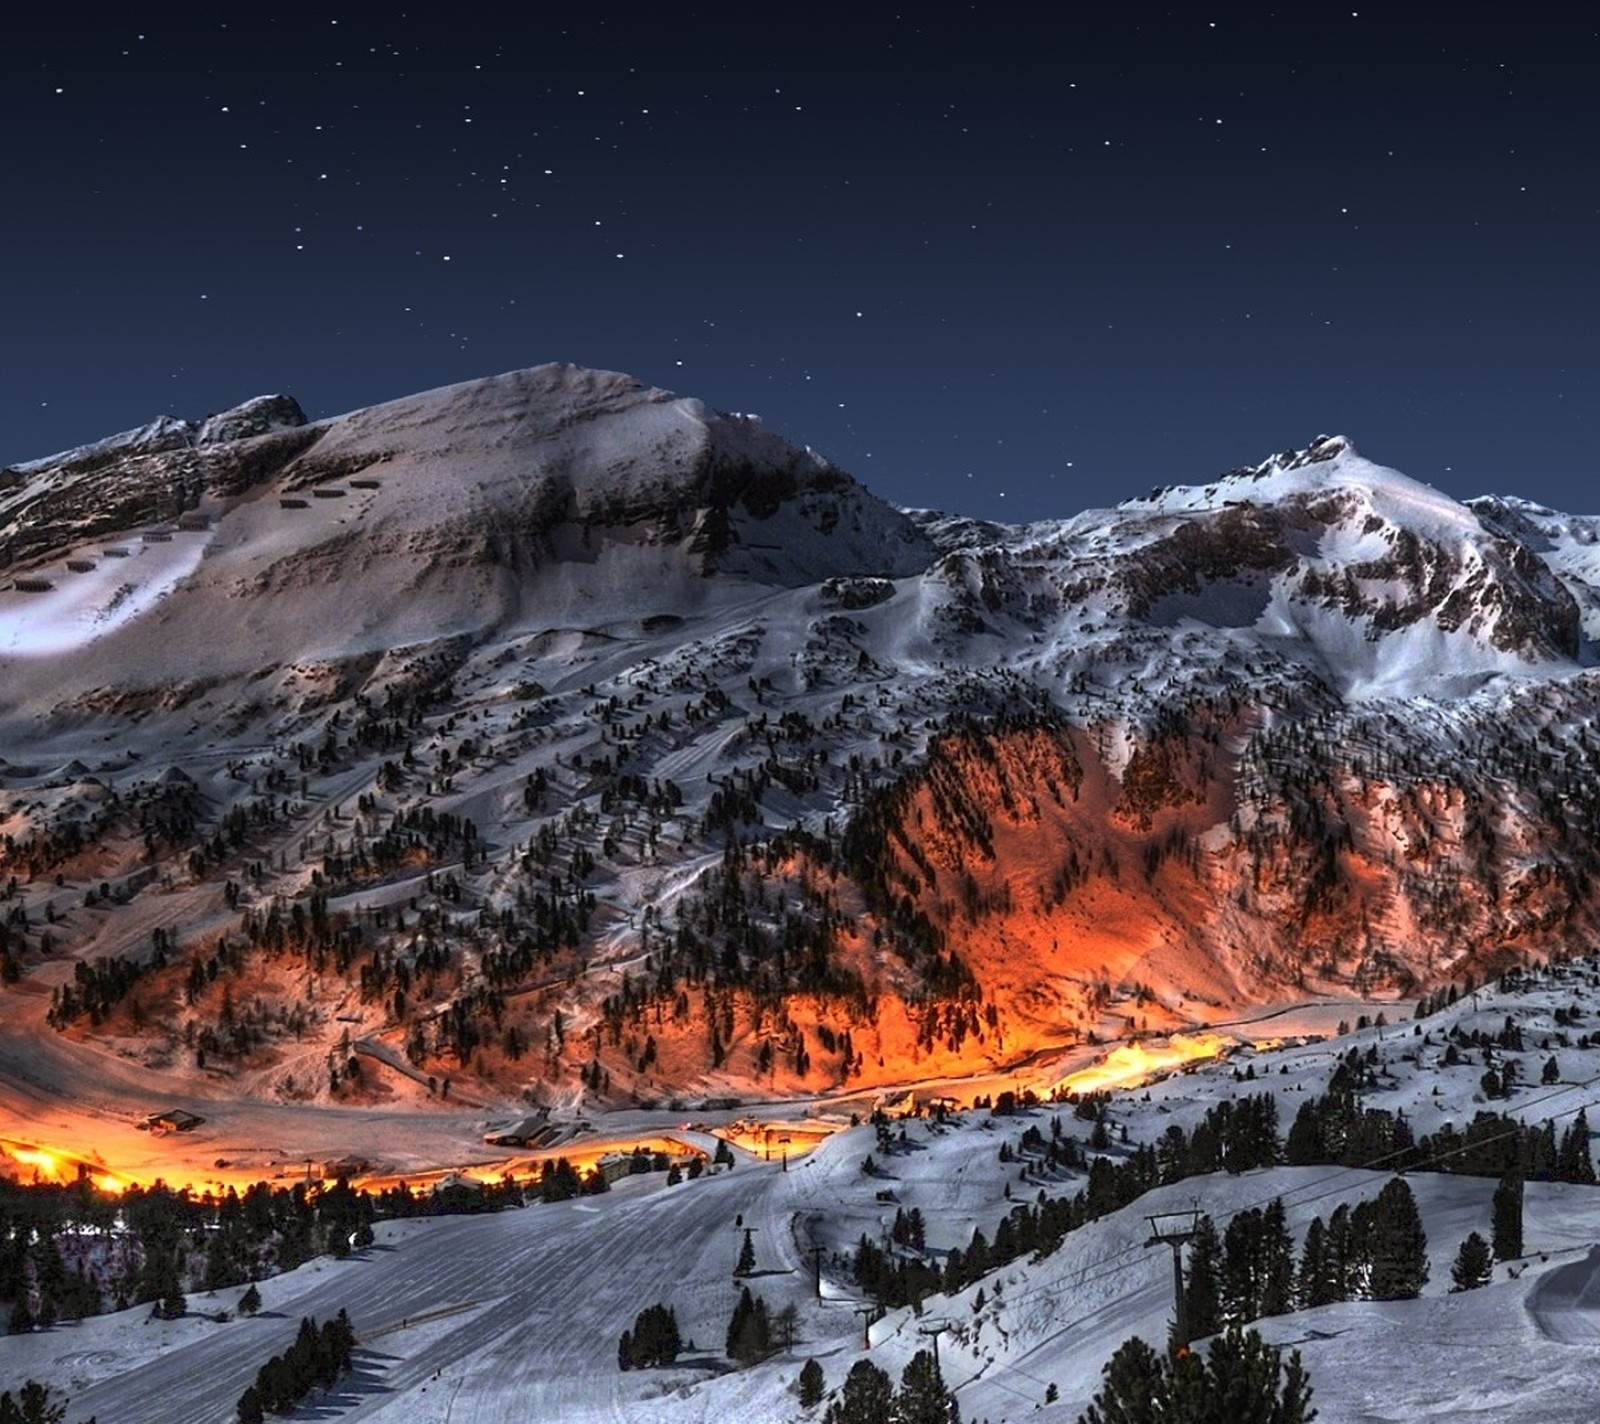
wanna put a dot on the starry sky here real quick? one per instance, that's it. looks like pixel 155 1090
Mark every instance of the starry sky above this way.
pixel 1001 264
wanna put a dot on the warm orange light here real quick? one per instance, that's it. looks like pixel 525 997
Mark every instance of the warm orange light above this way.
pixel 777 1139
pixel 54 1165
pixel 1130 1064
pixel 46 1164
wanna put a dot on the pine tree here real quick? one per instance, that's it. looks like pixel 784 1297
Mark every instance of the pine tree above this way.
pixel 749 1329
pixel 1276 1261
pixel 1249 1384
pixel 1136 1388
pixel 250 1301
pixel 867 1397
pixel 654 1339
pixel 32 1406
pixel 1399 1247
pixel 811 1384
pixel 1345 1255
pixel 923 1398
pixel 1306 1146
pixel 747 1255
pixel 1241 1285
pixel 1241 1380
pixel 1318 1282
pixel 1474 1265
pixel 1202 1291
pixel 1573 1161
pixel 1507 1217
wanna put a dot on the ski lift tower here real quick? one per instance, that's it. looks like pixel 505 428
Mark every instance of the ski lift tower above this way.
pixel 1175 1229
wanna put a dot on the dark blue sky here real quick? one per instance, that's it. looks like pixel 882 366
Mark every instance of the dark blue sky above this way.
pixel 1009 268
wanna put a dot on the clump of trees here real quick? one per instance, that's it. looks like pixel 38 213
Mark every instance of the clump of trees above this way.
pixel 1376 1251
pixel 869 1397
pixel 67 1252
pixel 561 1181
pixel 749 1329
pixel 654 1339
pixel 319 1355
pixel 1240 1378
pixel 32 1405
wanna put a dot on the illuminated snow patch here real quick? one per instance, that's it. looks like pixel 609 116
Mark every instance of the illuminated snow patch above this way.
pixel 84 606
pixel 1130 1064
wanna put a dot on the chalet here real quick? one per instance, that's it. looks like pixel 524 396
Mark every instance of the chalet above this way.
pixel 533 1131
pixel 346 1167
pixel 172 1120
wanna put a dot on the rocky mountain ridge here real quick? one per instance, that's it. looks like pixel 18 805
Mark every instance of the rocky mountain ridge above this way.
pixel 556 734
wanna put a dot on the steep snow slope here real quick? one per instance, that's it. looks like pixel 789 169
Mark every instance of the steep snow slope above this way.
pixel 515 502
pixel 1568 544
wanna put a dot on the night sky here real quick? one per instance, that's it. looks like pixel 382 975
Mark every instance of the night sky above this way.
pixel 1004 265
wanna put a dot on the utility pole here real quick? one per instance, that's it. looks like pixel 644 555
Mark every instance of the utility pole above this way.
pixel 816 1268
pixel 1175 1229
pixel 868 1314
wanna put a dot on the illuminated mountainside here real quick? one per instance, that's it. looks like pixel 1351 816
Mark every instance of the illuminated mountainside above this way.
pixel 560 736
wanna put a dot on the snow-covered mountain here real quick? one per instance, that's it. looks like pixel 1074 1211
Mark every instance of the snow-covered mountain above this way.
pixel 609 747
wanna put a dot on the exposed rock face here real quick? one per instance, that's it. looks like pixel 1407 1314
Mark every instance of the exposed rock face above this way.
pixel 694 765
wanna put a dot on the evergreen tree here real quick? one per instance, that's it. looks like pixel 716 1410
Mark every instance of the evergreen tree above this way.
pixel 250 1410
pixel 749 1330
pixel 811 1384
pixel 250 1301
pixel 1345 1255
pixel 32 1406
pixel 1202 1291
pixel 1474 1265
pixel 1250 1384
pixel 1507 1217
pixel 1241 1285
pixel 1136 1389
pixel 1318 1282
pixel 1305 1146
pixel 654 1339
pixel 923 1398
pixel 1240 1380
pixel 1573 1160
pixel 747 1255
pixel 1398 1247
pixel 1275 1257
pixel 867 1397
